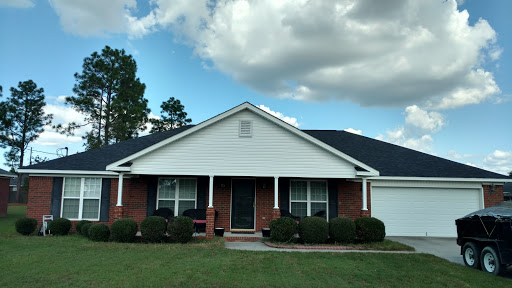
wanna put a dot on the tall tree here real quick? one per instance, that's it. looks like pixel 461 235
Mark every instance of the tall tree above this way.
pixel 110 96
pixel 173 115
pixel 22 121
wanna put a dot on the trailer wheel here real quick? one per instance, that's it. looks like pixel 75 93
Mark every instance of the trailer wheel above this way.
pixel 490 261
pixel 471 255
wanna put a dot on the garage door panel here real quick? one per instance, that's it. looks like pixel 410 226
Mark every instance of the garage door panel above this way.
pixel 422 211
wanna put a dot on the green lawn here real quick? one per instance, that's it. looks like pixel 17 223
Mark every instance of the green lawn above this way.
pixel 74 261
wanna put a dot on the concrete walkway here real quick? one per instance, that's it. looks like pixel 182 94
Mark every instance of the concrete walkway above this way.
pixel 260 246
pixel 446 248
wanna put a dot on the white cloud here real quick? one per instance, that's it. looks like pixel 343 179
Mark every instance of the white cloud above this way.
pixel 452 154
pixel 149 126
pixel 61 115
pixel 354 131
pixel 471 164
pixel 374 53
pixel 495 53
pixel 499 161
pixel 416 133
pixel 17 3
pixel 95 18
pixel 290 120
pixel 429 121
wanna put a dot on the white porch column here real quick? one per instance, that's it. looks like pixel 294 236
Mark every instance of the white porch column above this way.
pixel 210 191
pixel 276 192
pixel 120 190
pixel 365 206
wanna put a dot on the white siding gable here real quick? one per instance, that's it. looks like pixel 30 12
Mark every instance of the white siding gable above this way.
pixel 218 149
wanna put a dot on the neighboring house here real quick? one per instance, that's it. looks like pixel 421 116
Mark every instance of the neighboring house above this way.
pixel 249 165
pixel 507 192
pixel 5 178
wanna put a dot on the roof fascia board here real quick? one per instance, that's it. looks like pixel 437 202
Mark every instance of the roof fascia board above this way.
pixel 8 175
pixel 444 179
pixel 66 172
pixel 248 106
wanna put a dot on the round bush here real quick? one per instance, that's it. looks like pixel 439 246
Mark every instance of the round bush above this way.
pixel 26 225
pixel 85 229
pixel 79 224
pixel 342 230
pixel 369 229
pixel 283 229
pixel 99 232
pixel 180 229
pixel 314 230
pixel 60 226
pixel 153 229
pixel 123 230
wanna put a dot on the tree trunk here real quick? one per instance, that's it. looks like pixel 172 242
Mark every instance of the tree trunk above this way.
pixel 18 183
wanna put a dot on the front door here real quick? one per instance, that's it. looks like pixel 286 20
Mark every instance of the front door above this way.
pixel 242 203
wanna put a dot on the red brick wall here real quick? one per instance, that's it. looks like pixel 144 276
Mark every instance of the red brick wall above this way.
pixel 4 196
pixel 494 199
pixel 134 199
pixel 39 197
pixel 350 199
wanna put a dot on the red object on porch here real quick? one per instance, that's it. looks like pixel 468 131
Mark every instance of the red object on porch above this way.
pixel 200 221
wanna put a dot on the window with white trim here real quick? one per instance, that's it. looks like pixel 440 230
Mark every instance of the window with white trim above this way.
pixel 177 194
pixel 81 198
pixel 308 198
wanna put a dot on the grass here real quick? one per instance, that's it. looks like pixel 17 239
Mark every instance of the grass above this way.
pixel 75 261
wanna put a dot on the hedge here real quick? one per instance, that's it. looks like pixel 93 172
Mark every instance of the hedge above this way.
pixel 26 225
pixel 153 229
pixel 60 226
pixel 99 232
pixel 314 230
pixel 180 229
pixel 123 230
pixel 342 230
pixel 370 229
pixel 283 229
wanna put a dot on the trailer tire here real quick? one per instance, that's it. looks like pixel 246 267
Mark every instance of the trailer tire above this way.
pixel 491 261
pixel 471 255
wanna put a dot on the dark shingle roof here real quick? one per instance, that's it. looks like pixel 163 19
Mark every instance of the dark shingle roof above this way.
pixel 394 160
pixel 6 173
pixel 98 159
pixel 388 159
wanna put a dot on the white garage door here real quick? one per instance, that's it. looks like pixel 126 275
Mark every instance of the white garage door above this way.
pixel 422 211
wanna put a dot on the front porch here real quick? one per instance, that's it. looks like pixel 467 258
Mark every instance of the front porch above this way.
pixel 244 205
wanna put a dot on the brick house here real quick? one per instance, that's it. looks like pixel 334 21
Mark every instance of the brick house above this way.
pixel 5 178
pixel 250 167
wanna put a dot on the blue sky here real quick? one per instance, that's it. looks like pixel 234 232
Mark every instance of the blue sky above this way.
pixel 414 73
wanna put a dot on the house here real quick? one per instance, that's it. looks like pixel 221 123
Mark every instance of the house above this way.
pixel 250 166
pixel 4 191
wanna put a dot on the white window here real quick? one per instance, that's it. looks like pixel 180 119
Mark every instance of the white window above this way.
pixel 177 194
pixel 308 198
pixel 81 198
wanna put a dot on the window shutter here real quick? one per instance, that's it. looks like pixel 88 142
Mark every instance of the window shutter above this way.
pixel 332 189
pixel 245 128
pixel 105 199
pixel 56 197
pixel 202 190
pixel 151 198
pixel 284 193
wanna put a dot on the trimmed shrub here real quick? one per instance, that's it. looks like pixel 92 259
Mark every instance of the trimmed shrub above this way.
pixel 342 230
pixel 370 229
pixel 79 224
pixel 153 229
pixel 180 229
pixel 60 226
pixel 99 232
pixel 283 229
pixel 85 229
pixel 314 230
pixel 123 230
pixel 26 225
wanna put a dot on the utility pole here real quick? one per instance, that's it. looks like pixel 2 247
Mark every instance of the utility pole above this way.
pixel 30 156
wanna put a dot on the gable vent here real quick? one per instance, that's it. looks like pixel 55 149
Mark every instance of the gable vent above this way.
pixel 245 128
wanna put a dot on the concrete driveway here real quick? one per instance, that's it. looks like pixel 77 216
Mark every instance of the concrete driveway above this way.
pixel 446 248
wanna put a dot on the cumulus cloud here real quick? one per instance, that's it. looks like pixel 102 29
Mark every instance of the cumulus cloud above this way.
pixel 354 131
pixel 17 3
pixel 499 161
pixel 290 120
pixel 63 115
pixel 374 53
pixel 416 133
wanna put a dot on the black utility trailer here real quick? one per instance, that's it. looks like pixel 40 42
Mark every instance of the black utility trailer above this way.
pixel 485 238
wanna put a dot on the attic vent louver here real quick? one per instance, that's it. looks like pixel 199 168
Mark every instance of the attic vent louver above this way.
pixel 245 128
